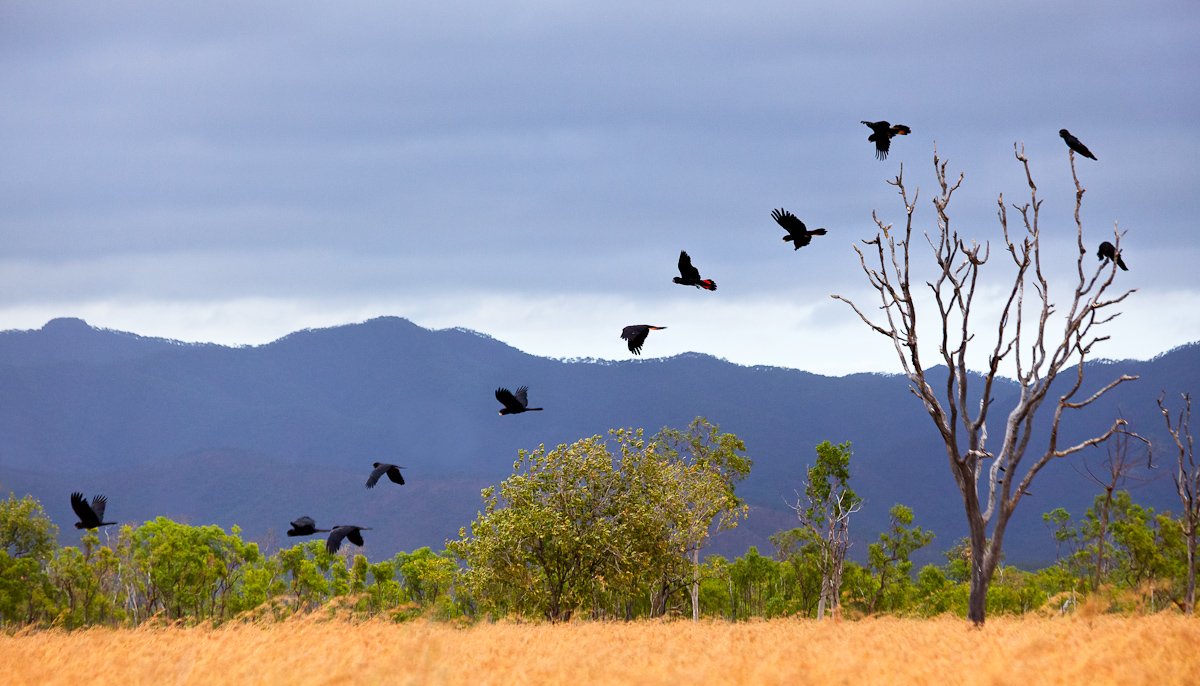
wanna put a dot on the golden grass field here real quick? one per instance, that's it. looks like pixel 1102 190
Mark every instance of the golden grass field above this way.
pixel 1156 650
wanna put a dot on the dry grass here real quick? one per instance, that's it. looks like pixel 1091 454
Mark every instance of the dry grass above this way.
pixel 1028 652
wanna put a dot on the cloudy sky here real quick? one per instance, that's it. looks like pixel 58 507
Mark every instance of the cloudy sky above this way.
pixel 232 172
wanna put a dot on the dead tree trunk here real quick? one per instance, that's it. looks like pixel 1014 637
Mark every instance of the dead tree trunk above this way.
pixel 1187 483
pixel 1030 346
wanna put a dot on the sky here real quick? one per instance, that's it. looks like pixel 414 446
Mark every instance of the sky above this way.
pixel 232 172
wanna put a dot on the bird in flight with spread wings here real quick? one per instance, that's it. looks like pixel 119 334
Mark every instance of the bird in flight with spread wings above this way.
pixel 798 233
pixel 690 276
pixel 514 403
pixel 636 335
pixel 90 516
pixel 381 468
pixel 882 134
pixel 349 532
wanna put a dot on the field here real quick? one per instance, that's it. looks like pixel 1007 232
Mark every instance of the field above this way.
pixel 1029 652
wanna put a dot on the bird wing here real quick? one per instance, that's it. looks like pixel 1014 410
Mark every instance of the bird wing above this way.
pixel 335 538
pixel 82 510
pixel 636 335
pixel 877 126
pixel 354 535
pixel 395 475
pixel 686 270
pixel 508 400
pixel 99 504
pixel 790 222
pixel 376 473
pixel 883 143
pixel 523 396
pixel 303 522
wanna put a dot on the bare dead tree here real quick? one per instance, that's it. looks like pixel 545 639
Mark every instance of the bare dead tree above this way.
pixel 991 482
pixel 1187 483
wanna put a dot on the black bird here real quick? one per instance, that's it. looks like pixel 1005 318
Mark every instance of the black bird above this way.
pixel 690 276
pixel 305 526
pixel 798 233
pixel 349 531
pixel 636 335
pixel 381 468
pixel 1074 144
pixel 882 134
pixel 515 403
pixel 90 516
pixel 1107 252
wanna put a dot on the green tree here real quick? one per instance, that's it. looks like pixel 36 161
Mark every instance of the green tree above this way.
pixel 707 465
pixel 889 562
pixel 26 545
pixel 825 512
pixel 549 533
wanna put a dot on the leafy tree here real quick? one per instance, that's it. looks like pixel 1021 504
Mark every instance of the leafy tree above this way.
pixel 87 583
pixel 190 571
pixel 26 545
pixel 549 533
pixel 825 513
pixel 705 465
pixel 888 560
pixel 578 526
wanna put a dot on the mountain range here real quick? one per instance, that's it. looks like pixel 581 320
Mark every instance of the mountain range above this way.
pixel 256 436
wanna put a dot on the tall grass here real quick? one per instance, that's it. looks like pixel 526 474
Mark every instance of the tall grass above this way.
pixel 1159 649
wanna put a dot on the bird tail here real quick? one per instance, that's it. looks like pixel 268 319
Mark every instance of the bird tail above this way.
pixel 818 232
pixel 533 409
pixel 708 285
pixel 1121 264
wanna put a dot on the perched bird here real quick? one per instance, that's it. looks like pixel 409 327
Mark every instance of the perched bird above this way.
pixel 90 516
pixel 636 335
pixel 798 233
pixel 690 276
pixel 381 468
pixel 514 403
pixel 1074 144
pixel 882 134
pixel 1107 252
pixel 341 531
pixel 305 526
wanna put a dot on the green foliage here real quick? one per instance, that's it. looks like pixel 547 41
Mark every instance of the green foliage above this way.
pixel 889 564
pixel 581 527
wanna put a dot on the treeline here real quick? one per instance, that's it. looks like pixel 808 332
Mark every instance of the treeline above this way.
pixel 604 529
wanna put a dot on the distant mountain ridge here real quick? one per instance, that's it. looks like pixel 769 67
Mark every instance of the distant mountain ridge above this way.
pixel 258 435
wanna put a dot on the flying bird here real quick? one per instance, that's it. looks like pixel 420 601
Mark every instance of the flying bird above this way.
pixel 381 468
pixel 305 526
pixel 1074 144
pixel 347 531
pixel 798 233
pixel 690 276
pixel 882 134
pixel 636 335
pixel 514 403
pixel 90 516
pixel 1107 252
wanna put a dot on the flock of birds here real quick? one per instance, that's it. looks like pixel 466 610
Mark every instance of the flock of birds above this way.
pixel 91 516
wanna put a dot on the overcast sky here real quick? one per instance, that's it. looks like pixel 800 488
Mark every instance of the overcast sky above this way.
pixel 232 172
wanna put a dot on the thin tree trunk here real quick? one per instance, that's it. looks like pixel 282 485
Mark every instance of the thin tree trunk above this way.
pixel 696 584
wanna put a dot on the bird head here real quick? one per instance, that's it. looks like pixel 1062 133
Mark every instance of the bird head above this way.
pixel 1064 133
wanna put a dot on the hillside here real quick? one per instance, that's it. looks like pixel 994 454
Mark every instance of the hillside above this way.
pixel 256 436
